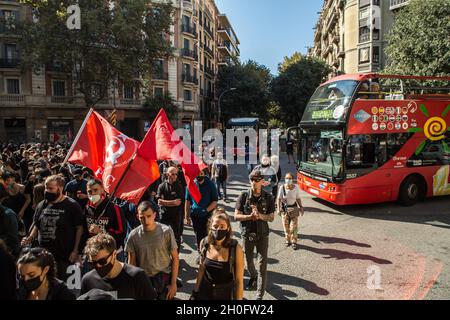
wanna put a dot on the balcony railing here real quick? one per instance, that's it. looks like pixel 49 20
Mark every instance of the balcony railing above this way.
pixel 187 78
pixel 209 71
pixel 11 98
pixel 189 53
pixel 129 102
pixel 189 30
pixel 9 63
pixel 160 76
pixel 208 31
pixel 208 50
pixel 395 4
pixel 62 99
pixel 56 68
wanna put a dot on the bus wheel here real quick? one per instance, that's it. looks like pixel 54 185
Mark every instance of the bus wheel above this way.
pixel 411 191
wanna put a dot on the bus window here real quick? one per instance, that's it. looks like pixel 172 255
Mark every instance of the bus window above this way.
pixel 434 153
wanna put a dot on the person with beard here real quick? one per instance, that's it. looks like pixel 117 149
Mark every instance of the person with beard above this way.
pixel 109 274
pixel 221 271
pixel 76 189
pixel 58 225
pixel 200 212
pixel 38 281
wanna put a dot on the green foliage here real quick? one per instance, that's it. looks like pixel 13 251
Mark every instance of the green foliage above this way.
pixel 298 79
pixel 419 42
pixel 114 42
pixel 252 95
pixel 153 104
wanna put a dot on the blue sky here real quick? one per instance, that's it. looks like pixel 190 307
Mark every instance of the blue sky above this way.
pixel 269 30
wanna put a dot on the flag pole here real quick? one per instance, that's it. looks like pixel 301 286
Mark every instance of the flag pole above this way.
pixel 69 153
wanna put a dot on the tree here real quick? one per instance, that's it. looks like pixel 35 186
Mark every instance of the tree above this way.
pixel 117 40
pixel 154 103
pixel 251 97
pixel 298 78
pixel 419 42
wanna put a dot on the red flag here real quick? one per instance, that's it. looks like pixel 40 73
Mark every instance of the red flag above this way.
pixel 105 150
pixel 158 145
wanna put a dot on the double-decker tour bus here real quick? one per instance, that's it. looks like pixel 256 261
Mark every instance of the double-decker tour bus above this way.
pixel 369 138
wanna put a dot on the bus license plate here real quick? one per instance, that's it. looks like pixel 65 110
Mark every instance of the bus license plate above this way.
pixel 314 191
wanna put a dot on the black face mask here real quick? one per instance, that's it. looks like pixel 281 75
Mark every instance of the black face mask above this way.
pixel 51 197
pixel 32 284
pixel 104 270
pixel 219 235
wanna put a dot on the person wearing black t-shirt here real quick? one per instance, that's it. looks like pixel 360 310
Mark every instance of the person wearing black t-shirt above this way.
pixel 58 225
pixel 109 274
pixel 76 189
pixel 170 195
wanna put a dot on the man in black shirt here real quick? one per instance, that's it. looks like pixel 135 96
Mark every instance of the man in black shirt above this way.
pixel 109 274
pixel 57 224
pixel 170 195
pixel 254 209
pixel 76 189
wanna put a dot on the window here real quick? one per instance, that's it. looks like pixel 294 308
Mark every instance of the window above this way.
pixel 364 55
pixel 158 92
pixel 187 95
pixel 158 66
pixel 59 88
pixel 128 92
pixel 186 21
pixel 376 34
pixel 364 34
pixel 12 86
pixel 376 55
pixel 187 44
pixel 10 52
pixel 434 153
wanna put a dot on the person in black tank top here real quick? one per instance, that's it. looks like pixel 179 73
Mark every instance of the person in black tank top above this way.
pixel 221 271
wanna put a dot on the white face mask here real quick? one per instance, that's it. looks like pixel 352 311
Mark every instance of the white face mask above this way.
pixel 95 198
pixel 289 181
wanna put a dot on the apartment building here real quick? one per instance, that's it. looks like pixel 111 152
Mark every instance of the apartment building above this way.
pixel 42 105
pixel 350 35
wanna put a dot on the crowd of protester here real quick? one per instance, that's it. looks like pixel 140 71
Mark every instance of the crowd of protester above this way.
pixel 55 215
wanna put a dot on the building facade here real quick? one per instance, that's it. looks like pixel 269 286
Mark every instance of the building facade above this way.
pixel 350 35
pixel 42 105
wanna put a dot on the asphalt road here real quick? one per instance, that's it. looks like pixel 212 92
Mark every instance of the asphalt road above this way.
pixel 373 252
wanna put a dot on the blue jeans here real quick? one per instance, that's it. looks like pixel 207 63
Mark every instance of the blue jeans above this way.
pixel 224 186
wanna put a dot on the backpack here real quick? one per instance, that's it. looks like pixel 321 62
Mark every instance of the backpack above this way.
pixel 204 246
pixel 223 172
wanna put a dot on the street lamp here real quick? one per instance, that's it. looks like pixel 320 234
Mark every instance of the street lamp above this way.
pixel 220 98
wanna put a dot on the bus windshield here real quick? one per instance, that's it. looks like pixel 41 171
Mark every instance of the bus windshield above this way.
pixel 322 153
pixel 330 102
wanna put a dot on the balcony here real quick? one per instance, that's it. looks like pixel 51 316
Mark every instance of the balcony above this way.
pixel 187 5
pixel 189 54
pixel 130 102
pixel 9 63
pixel 56 68
pixel 62 99
pixel 225 34
pixel 225 48
pixel 225 62
pixel 187 78
pixel 209 13
pixel 396 4
pixel 208 51
pixel 189 29
pixel 164 76
pixel 209 71
pixel 12 99
pixel 208 31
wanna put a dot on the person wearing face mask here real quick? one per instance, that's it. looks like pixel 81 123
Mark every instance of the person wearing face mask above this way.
pixel 17 200
pixel 255 208
pixel 219 172
pixel 152 247
pixel 200 212
pixel 77 188
pixel 269 173
pixel 289 205
pixel 221 271
pixel 102 215
pixel 109 274
pixel 38 281
pixel 58 225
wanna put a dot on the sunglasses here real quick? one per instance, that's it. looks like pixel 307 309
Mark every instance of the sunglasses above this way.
pixel 100 262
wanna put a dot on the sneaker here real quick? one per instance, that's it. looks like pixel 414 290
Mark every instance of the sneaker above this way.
pixel 251 284
pixel 294 246
pixel 287 244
